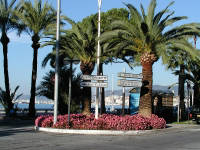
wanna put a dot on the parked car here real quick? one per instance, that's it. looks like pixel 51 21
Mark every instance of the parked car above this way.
pixel 195 114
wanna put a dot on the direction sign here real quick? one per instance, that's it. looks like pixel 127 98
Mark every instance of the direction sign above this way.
pixel 129 83
pixel 94 84
pixel 94 77
pixel 129 75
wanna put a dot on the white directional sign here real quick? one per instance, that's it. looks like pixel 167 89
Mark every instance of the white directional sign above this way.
pixel 129 83
pixel 129 75
pixel 94 77
pixel 94 84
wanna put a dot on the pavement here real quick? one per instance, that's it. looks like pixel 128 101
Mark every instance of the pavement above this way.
pixel 27 123
pixel 20 134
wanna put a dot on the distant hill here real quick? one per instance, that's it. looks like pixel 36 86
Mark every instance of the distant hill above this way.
pixel 155 87
pixel 165 89
pixel 116 92
pixel 26 97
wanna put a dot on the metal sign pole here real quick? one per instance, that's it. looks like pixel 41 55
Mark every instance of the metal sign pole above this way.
pixel 70 88
pixel 98 58
pixel 178 110
pixel 112 93
pixel 57 64
pixel 123 97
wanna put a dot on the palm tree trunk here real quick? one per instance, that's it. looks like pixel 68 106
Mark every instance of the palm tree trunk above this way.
pixel 5 41
pixel 181 92
pixel 87 100
pixel 145 106
pixel 35 46
pixel 86 69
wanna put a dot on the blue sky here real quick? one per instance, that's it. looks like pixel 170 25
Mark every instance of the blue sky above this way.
pixel 20 51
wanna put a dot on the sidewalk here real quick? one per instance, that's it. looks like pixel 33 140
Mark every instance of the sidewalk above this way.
pixel 15 123
pixel 26 138
pixel 12 123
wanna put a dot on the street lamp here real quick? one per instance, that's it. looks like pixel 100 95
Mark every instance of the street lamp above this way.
pixel 57 64
pixel 70 61
pixel 98 58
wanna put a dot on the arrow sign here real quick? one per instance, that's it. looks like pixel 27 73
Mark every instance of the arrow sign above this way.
pixel 129 83
pixel 94 77
pixel 129 75
pixel 94 84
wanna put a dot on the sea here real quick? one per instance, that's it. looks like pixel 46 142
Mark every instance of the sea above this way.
pixel 51 106
pixel 37 106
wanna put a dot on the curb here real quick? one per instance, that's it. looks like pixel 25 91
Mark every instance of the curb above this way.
pixel 110 132
pixel 92 132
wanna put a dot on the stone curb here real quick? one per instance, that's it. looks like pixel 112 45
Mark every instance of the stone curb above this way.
pixel 111 132
pixel 92 132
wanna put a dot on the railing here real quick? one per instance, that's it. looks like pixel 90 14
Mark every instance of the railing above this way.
pixel 23 111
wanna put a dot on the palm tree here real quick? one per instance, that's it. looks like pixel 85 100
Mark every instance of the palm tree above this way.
pixel 80 42
pixel 178 58
pixel 147 36
pixel 185 62
pixel 4 99
pixel 37 19
pixel 106 19
pixel 6 24
pixel 77 43
pixel 194 76
pixel 46 88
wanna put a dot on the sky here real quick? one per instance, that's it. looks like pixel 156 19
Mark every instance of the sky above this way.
pixel 20 53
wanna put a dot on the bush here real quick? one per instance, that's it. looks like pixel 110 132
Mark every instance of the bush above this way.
pixel 104 122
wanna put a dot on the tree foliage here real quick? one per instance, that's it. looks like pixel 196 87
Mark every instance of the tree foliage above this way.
pixel 148 36
pixel 46 88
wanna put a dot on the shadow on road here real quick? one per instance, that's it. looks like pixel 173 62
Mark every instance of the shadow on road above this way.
pixel 15 122
pixel 10 126
pixel 12 131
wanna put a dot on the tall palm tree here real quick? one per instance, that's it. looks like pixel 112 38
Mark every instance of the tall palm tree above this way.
pixel 81 43
pixel 38 18
pixel 77 43
pixel 192 73
pixel 179 59
pixel 7 23
pixel 106 19
pixel 147 35
pixel 194 76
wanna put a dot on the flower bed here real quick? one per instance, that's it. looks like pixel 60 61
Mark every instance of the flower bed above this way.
pixel 104 122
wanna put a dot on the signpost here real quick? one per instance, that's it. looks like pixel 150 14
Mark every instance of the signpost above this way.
pixel 94 84
pixel 98 84
pixel 94 77
pixel 123 97
pixel 129 75
pixel 129 83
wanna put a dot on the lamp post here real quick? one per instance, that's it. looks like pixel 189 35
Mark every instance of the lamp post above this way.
pixel 195 41
pixel 98 58
pixel 70 62
pixel 112 93
pixel 123 97
pixel 70 91
pixel 57 64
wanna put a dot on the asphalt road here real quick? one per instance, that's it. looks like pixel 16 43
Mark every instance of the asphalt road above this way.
pixel 20 135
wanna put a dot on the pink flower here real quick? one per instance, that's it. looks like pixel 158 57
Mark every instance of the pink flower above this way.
pixel 105 122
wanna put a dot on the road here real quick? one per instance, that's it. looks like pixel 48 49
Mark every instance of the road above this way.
pixel 17 135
